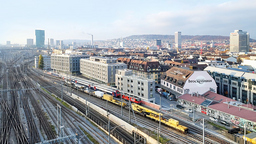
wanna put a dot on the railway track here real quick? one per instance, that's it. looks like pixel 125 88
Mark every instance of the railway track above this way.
pixel 118 132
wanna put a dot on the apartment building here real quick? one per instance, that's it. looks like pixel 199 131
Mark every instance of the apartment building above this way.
pixel 101 69
pixel 134 85
pixel 47 62
pixel 146 69
pixel 234 84
pixel 180 81
pixel 66 63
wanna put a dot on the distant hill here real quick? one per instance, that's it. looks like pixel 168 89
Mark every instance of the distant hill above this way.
pixel 184 37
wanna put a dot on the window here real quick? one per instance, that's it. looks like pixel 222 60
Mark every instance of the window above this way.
pixel 138 93
pixel 121 78
pixel 142 95
pixel 138 82
pixel 142 83
pixel 131 86
pixel 166 84
pixel 128 90
pixel 151 84
pixel 128 80
pixel 131 91
pixel 131 80
pixel 142 89
pixel 128 85
pixel 138 88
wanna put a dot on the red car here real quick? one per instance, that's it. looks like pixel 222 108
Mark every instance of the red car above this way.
pixel 132 99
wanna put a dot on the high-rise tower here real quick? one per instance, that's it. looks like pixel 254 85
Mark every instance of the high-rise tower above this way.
pixel 178 39
pixel 40 38
pixel 239 41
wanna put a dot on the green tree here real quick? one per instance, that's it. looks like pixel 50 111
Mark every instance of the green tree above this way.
pixel 239 60
pixel 41 62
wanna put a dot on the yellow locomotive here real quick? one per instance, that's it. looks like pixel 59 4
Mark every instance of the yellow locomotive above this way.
pixel 155 116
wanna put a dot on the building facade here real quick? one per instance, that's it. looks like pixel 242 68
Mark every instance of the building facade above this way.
pixel 146 69
pixel 101 69
pixel 177 39
pixel 237 85
pixel 30 42
pixel 66 63
pixel 40 38
pixel 140 87
pixel 214 63
pixel 47 62
pixel 239 41
pixel 180 81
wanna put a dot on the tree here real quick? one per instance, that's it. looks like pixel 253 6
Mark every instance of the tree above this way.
pixel 41 62
pixel 239 60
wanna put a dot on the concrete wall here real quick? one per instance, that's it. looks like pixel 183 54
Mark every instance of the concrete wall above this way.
pixel 129 128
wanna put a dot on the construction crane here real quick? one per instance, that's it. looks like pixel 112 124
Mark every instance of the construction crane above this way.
pixel 92 39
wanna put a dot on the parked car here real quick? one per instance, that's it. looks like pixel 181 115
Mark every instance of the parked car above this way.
pixel 224 123
pixel 213 119
pixel 179 106
pixel 189 110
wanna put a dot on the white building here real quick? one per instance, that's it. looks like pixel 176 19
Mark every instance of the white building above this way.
pixel 180 81
pixel 47 62
pixel 239 41
pixel 66 63
pixel 51 42
pixel 177 39
pixel 250 62
pixel 214 63
pixel 30 42
pixel 102 69
pixel 137 86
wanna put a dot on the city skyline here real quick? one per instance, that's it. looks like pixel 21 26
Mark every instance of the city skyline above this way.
pixel 115 19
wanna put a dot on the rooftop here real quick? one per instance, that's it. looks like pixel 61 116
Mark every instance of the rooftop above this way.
pixel 223 104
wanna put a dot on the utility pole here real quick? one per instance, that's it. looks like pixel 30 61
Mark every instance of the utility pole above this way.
pixel 203 130
pixel 244 133
pixel 121 105
pixel 129 110
pixel 108 128
pixel 61 92
pixel 159 128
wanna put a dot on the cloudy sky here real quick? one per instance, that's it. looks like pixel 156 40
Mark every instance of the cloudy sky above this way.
pixel 107 19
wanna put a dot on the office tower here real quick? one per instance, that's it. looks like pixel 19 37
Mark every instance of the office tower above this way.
pixel 8 42
pixel 40 38
pixel 57 42
pixel 178 39
pixel 51 42
pixel 30 42
pixel 158 44
pixel 61 44
pixel 239 41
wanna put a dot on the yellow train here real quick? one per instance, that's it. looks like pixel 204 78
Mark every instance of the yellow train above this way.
pixel 155 116
pixel 109 98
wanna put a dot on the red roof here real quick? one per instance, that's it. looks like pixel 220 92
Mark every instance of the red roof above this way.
pixel 244 112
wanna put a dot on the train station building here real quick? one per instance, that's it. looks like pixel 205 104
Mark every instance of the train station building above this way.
pixel 179 81
pixel 221 108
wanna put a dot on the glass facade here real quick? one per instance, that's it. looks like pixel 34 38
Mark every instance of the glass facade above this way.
pixel 40 38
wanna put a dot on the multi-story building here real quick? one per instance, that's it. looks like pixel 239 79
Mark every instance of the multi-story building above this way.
pixel 130 84
pixel 158 44
pixel 180 81
pixel 51 42
pixel 234 84
pixel 30 42
pixel 66 63
pixel 214 63
pixel 178 39
pixel 101 69
pixel 47 62
pixel 146 69
pixel 239 41
pixel 40 38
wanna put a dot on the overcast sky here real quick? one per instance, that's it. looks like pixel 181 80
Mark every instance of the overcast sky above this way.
pixel 108 19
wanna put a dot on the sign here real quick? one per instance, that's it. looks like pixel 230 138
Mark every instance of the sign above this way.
pixel 94 87
pixel 76 81
pixel 199 81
